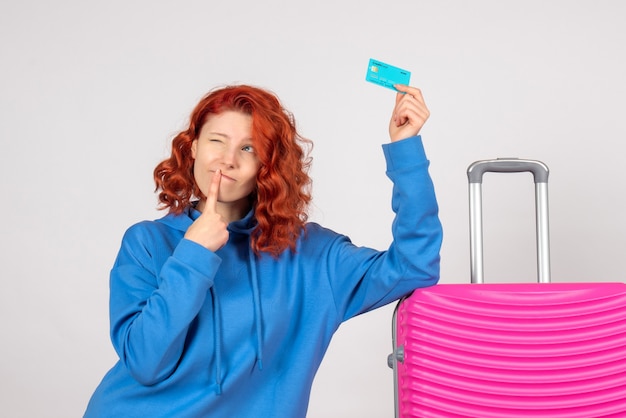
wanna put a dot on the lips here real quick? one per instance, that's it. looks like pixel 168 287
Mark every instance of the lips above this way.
pixel 225 177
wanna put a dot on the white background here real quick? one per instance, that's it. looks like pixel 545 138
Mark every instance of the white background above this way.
pixel 91 94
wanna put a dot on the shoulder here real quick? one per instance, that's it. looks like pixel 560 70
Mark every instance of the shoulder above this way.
pixel 147 232
pixel 319 239
pixel 149 243
pixel 315 231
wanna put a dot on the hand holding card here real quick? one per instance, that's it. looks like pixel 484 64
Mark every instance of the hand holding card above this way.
pixel 410 111
pixel 409 114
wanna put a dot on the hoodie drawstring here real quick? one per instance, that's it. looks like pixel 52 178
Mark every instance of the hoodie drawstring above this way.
pixel 257 309
pixel 217 329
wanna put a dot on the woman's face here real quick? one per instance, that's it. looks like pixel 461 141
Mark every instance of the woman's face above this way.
pixel 225 143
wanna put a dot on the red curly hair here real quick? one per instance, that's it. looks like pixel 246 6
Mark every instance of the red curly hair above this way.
pixel 282 193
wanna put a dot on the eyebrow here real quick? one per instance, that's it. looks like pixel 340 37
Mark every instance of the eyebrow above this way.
pixel 229 137
pixel 219 134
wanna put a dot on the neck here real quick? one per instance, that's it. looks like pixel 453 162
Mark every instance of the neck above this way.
pixel 229 212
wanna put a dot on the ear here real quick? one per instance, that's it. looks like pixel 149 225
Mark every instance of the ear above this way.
pixel 194 147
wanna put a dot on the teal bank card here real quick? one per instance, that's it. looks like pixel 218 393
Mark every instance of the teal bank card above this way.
pixel 386 75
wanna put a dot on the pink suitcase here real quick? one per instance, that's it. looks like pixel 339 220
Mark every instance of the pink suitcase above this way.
pixel 480 350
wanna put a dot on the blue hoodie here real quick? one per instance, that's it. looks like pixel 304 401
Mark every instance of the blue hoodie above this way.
pixel 229 334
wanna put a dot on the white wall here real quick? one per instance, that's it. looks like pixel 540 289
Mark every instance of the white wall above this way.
pixel 91 93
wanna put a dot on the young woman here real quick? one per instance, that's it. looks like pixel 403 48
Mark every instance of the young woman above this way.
pixel 226 306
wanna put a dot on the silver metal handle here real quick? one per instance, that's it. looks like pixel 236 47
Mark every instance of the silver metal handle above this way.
pixel 508 165
pixel 396 356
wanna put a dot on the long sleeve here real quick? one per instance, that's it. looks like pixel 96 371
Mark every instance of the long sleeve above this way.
pixel 151 308
pixel 366 279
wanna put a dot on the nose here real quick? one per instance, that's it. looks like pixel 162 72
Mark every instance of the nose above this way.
pixel 229 157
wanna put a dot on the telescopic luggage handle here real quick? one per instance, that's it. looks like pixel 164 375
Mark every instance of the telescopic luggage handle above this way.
pixel 509 165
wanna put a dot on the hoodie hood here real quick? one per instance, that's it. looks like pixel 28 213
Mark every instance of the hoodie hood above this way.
pixel 183 221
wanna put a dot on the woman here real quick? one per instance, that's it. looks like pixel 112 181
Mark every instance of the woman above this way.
pixel 226 306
